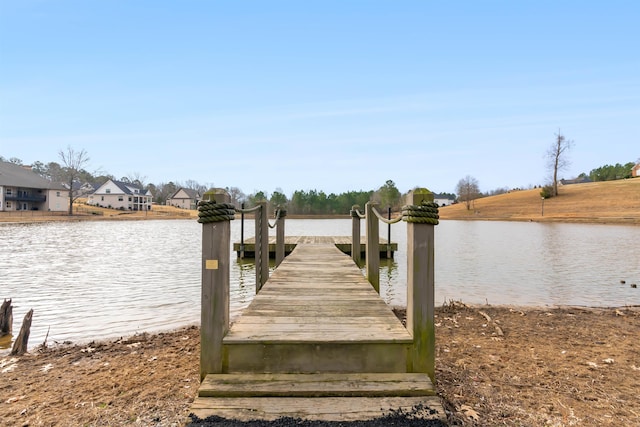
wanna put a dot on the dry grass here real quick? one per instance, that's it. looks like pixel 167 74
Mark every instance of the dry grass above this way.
pixel 597 202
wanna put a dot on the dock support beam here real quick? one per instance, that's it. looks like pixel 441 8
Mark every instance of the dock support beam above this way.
pixel 355 234
pixel 262 245
pixel 420 287
pixel 372 255
pixel 214 321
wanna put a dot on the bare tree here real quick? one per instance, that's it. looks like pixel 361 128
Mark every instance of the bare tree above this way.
pixel 468 190
pixel 138 179
pixel 73 162
pixel 196 186
pixel 557 158
pixel 237 196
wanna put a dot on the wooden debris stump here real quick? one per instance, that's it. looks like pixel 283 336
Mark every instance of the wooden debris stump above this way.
pixel 20 344
pixel 6 318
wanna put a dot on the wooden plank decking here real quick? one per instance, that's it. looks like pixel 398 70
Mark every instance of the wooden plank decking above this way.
pixel 290 242
pixel 317 342
pixel 317 300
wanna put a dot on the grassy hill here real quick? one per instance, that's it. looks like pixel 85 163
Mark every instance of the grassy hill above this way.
pixel 599 202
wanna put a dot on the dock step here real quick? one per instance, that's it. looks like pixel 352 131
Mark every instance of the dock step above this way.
pixel 315 357
pixel 337 409
pixel 316 385
pixel 324 396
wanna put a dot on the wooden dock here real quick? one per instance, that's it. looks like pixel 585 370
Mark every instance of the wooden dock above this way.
pixel 290 242
pixel 317 343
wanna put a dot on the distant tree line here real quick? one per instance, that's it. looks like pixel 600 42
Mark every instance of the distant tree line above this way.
pixel 314 202
pixel 611 173
pixel 307 202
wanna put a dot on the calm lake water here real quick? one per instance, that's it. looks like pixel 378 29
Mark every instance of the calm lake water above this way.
pixel 102 279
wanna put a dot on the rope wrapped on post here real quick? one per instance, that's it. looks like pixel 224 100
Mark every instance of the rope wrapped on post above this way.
pixel 248 210
pixel 426 213
pixel 355 212
pixel 210 211
pixel 280 213
pixel 385 220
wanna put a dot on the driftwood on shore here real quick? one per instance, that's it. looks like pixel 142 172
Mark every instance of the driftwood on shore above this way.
pixel 6 318
pixel 20 344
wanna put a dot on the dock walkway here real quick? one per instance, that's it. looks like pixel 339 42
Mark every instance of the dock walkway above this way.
pixel 290 242
pixel 317 342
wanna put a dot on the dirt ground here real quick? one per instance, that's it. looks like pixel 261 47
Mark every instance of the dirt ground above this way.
pixel 494 366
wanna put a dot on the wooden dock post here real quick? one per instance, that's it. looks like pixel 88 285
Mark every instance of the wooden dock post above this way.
pixel 214 322
pixel 281 214
pixel 355 234
pixel 389 254
pixel 372 255
pixel 262 245
pixel 241 253
pixel 420 283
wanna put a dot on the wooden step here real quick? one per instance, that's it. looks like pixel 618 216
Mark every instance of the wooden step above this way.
pixel 323 397
pixel 318 408
pixel 317 385
pixel 314 357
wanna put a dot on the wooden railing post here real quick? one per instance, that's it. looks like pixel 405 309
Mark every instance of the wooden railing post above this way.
pixel 262 245
pixel 372 255
pixel 355 234
pixel 214 321
pixel 281 214
pixel 389 233
pixel 242 231
pixel 420 287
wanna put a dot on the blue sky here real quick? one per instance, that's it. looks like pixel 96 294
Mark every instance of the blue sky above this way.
pixel 326 95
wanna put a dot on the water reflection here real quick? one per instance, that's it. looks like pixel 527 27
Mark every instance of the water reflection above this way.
pixel 93 280
pixel 5 341
pixel 389 279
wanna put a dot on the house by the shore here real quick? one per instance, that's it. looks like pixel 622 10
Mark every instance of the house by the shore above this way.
pixel 635 171
pixel 21 189
pixel 579 180
pixel 443 200
pixel 121 195
pixel 184 198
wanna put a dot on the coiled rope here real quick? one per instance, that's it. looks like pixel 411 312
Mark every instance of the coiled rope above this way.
pixel 355 212
pixel 280 213
pixel 425 213
pixel 385 220
pixel 210 211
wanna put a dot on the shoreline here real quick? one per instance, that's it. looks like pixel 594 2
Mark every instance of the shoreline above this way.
pixel 606 202
pixel 549 366
pixel 12 220
pixel 400 311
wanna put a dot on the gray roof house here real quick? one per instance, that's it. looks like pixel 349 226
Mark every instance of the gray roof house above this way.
pixel 21 189
pixel 121 195
pixel 184 198
pixel 579 180
pixel 443 200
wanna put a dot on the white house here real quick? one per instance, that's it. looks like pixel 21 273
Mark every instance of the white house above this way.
pixel 443 200
pixel 184 198
pixel 121 195
pixel 21 189
pixel 635 171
